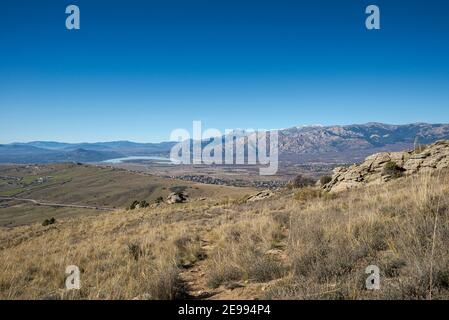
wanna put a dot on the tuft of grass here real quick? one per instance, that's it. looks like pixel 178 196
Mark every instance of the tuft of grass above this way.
pixel 189 250
pixel 307 194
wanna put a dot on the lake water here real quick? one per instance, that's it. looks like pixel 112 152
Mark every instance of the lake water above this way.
pixel 162 160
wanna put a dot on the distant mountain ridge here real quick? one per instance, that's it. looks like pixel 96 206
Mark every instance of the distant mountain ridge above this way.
pixel 304 144
pixel 51 151
pixel 116 146
pixel 352 143
pixel 25 154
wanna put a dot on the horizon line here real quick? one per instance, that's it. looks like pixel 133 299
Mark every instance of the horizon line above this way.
pixel 169 141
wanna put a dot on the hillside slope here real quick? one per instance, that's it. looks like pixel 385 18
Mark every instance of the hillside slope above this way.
pixel 88 185
pixel 296 244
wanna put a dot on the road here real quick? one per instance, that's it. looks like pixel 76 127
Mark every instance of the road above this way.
pixel 56 205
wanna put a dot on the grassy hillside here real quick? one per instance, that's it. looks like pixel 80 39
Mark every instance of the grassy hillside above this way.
pixel 88 185
pixel 300 244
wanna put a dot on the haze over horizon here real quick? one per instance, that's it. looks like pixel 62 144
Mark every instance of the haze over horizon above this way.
pixel 168 140
pixel 138 70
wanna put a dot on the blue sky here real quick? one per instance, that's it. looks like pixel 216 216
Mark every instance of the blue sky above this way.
pixel 139 69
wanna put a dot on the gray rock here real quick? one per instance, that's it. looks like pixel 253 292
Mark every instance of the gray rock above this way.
pixel 260 196
pixel 434 157
pixel 177 197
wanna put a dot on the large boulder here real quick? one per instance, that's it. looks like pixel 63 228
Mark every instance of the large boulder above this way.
pixel 371 171
pixel 176 197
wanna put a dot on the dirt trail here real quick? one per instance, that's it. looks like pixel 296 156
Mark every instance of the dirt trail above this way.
pixel 195 277
pixel 197 288
pixel 51 204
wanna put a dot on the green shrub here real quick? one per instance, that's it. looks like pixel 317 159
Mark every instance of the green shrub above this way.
pixel 48 222
pixel 393 170
pixel 133 205
pixel 143 204
pixel 135 250
pixel 325 180
pixel 138 204
pixel 159 200
pixel 301 181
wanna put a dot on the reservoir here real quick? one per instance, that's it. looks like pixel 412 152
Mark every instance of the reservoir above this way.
pixel 163 160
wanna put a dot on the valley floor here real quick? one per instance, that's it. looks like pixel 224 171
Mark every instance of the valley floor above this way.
pixel 33 193
pixel 297 244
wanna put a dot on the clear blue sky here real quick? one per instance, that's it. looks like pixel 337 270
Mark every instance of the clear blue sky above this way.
pixel 138 69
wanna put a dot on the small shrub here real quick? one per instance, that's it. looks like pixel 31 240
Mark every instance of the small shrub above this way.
pixel 301 182
pixel 135 251
pixel 133 205
pixel 393 170
pixel 325 180
pixel 265 268
pixel 159 200
pixel 222 274
pixel 189 251
pixel 48 222
pixel 143 204
pixel 392 266
pixel 138 204
pixel 165 284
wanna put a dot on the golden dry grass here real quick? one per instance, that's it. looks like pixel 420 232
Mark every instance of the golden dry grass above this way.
pixel 306 246
pixel 402 227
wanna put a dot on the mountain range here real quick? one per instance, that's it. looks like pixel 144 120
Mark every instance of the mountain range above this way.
pixel 352 143
pixel 305 144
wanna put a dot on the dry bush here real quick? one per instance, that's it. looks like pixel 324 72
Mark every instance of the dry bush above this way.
pixel 307 194
pixel 311 193
pixel 189 250
pixel 300 181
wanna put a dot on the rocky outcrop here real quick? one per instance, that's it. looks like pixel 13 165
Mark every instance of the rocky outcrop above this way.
pixel 260 196
pixel 177 197
pixel 372 170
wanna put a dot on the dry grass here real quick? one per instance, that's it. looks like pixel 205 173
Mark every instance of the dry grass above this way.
pixel 91 185
pixel 401 227
pixel 242 251
pixel 299 244
pixel 121 256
